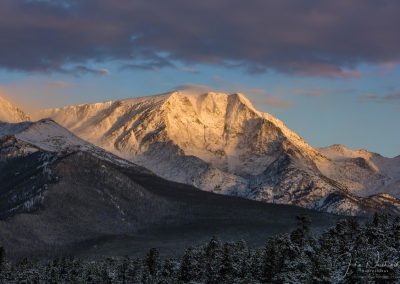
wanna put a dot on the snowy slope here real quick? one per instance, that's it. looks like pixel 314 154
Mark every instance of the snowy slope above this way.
pixel 78 203
pixel 60 192
pixel 221 129
pixel 363 172
pixel 210 126
pixel 47 136
pixel 218 142
pixel 210 140
pixel 44 134
pixel 11 113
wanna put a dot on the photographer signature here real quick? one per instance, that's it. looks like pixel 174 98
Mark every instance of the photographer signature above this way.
pixel 376 264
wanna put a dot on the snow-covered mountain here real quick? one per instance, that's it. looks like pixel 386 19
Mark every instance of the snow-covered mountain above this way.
pixel 29 152
pixel 60 194
pixel 10 113
pixel 219 142
pixel 364 173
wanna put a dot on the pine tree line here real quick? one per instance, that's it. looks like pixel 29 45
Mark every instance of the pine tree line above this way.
pixel 350 252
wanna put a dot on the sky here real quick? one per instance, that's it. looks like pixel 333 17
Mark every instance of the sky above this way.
pixel 329 69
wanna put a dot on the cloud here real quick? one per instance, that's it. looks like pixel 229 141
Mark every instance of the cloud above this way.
pixel 258 96
pixel 387 68
pixel 388 98
pixel 81 70
pixel 307 38
pixel 307 92
pixel 58 84
pixel 326 70
pixel 189 70
pixel 156 62
pixel 278 102
pixel 32 94
pixel 194 88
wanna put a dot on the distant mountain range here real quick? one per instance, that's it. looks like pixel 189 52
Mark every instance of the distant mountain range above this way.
pixel 62 195
pixel 220 143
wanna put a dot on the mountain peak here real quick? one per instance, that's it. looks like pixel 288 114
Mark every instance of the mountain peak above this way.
pixel 45 134
pixel 337 148
pixel 199 98
pixel 220 128
pixel 242 99
pixel 10 113
pixel 339 151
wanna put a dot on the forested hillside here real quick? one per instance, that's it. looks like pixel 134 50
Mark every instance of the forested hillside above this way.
pixel 349 252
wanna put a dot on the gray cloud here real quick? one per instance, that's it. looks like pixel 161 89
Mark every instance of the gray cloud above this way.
pixel 388 98
pixel 81 70
pixel 153 64
pixel 195 88
pixel 309 38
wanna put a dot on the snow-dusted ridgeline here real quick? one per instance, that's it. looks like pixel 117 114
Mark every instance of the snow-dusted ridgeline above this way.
pixel 219 142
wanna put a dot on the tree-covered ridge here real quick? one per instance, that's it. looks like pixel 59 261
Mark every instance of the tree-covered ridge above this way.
pixel 350 252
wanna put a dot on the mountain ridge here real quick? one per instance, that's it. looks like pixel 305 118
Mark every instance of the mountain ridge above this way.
pixel 219 142
pixel 60 194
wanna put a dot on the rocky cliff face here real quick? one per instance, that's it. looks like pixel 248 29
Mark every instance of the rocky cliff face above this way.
pixel 219 142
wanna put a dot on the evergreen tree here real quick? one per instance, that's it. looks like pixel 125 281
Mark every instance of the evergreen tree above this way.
pixel 191 266
pixel 105 277
pixel 2 258
pixel 300 234
pixel 241 260
pixel 212 259
pixel 256 265
pixel 122 270
pixel 134 271
pixel 269 261
pixel 168 272
pixel 152 261
pixel 226 270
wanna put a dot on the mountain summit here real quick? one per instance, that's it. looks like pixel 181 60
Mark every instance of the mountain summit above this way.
pixel 219 142
pixel 221 129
